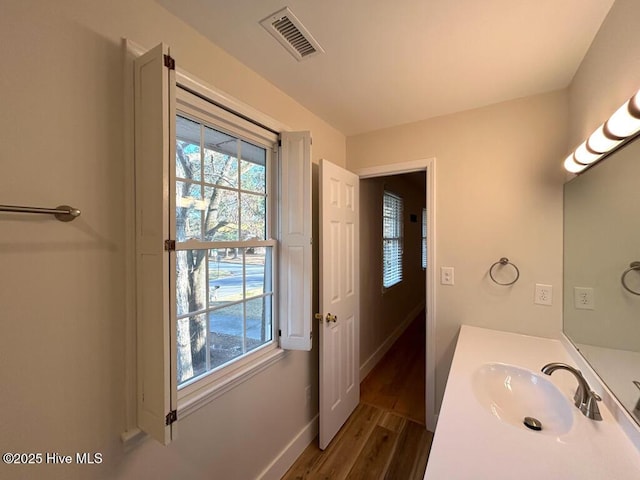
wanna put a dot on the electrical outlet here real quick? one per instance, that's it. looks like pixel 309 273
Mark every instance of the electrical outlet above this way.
pixel 584 298
pixel 544 294
pixel 446 275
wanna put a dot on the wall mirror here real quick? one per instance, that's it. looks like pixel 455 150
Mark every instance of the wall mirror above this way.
pixel 601 310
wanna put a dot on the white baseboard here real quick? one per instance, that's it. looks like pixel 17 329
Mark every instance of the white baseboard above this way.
pixel 373 360
pixel 279 466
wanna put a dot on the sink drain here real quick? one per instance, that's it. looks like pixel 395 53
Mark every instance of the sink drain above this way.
pixel 532 423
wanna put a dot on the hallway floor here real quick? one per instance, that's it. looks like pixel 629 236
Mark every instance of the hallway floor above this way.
pixel 385 437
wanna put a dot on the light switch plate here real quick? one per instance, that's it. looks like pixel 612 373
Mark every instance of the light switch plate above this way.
pixel 446 275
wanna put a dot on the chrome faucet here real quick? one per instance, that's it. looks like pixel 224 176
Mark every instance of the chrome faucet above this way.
pixel 585 398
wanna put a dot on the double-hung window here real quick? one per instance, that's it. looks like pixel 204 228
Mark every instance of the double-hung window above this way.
pixel 223 242
pixel 392 239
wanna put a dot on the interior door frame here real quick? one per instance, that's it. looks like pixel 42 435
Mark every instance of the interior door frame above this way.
pixel 429 167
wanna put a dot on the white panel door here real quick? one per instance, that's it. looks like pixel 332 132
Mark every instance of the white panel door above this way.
pixel 339 298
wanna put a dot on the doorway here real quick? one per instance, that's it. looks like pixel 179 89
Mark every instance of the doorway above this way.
pixel 427 168
pixel 351 450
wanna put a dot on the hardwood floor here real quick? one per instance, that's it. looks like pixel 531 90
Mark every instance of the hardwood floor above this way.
pixel 385 436
pixel 397 382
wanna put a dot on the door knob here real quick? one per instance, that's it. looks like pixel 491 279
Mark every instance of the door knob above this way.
pixel 330 318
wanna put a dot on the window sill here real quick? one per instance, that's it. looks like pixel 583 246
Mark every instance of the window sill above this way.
pixel 197 399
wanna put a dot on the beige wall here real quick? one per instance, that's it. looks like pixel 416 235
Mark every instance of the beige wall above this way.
pixel 63 297
pixel 609 73
pixel 381 314
pixel 498 193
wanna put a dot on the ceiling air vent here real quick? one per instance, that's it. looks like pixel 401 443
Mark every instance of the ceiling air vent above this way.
pixel 285 27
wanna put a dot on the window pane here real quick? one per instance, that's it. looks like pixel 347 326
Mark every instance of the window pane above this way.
pixel 392 252
pixel 188 161
pixel 192 347
pixel 220 158
pixel 227 332
pixel 253 216
pixel 259 329
pixel 390 228
pixel 191 285
pixel 226 274
pixel 221 220
pixel 225 277
pixel 254 160
pixel 189 211
pixel 258 271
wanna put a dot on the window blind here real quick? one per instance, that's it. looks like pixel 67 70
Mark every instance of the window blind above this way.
pixel 391 239
pixel 424 238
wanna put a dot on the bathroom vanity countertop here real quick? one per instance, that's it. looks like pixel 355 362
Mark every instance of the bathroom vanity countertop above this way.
pixel 471 443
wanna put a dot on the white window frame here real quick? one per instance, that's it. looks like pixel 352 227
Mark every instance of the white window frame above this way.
pixel 201 111
pixel 395 275
pixel 155 82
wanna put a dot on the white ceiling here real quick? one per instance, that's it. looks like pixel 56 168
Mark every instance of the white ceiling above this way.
pixel 388 63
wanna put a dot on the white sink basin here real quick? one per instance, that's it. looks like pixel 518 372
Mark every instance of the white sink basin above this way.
pixel 512 393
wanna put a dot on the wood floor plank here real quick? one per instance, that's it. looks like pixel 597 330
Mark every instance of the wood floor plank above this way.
pixel 336 460
pixel 345 448
pixel 376 454
pixel 397 382
pixel 411 397
pixel 392 421
pixel 304 467
pixel 412 451
pixel 374 389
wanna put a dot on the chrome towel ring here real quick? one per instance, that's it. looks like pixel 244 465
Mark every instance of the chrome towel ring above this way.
pixel 623 278
pixel 504 261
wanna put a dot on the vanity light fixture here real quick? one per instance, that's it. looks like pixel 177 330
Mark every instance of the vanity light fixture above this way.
pixel 623 124
pixel 600 142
